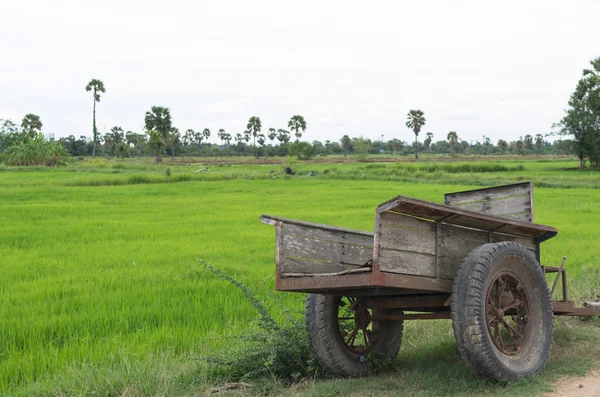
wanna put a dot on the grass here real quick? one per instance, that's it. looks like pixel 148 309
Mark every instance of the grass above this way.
pixel 101 291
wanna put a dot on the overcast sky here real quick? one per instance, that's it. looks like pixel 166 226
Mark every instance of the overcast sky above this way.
pixel 356 68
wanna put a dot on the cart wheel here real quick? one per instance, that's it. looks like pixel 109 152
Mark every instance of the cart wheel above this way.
pixel 343 335
pixel 502 312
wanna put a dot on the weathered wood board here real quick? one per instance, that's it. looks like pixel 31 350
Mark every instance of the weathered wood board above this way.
pixel 510 201
pixel 305 248
pixel 408 245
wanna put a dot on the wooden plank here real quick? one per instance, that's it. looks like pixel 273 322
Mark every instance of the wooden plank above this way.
pixel 507 206
pixel 433 211
pixel 406 262
pixel 306 266
pixel 491 193
pixel 395 219
pixel 334 252
pixel 349 237
pixel 268 219
pixel 406 239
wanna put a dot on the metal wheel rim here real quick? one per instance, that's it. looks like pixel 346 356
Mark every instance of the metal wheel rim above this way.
pixel 354 325
pixel 508 313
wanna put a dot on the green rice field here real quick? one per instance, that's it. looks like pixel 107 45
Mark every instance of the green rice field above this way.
pixel 101 286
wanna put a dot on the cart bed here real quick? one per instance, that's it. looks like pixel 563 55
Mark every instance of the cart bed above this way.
pixel 417 245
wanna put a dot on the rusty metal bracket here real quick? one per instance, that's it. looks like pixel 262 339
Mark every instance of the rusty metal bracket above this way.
pixel 438 248
pixel 558 274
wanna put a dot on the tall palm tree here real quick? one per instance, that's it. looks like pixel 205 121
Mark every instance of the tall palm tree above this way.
pixel 97 86
pixel 452 138
pixel 31 124
pixel 272 135
pixel 254 126
pixel 158 119
pixel 415 120
pixel 296 124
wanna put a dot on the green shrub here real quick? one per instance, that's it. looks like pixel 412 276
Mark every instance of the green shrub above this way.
pixel 272 351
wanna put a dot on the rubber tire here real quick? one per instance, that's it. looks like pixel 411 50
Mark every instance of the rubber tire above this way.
pixel 330 349
pixel 468 312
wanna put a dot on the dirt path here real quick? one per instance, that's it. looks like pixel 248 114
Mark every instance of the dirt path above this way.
pixel 587 386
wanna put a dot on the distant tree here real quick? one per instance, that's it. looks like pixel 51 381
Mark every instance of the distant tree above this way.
pixel 189 137
pixel 296 124
pixel 427 142
pixel 114 141
pixel 174 138
pixel 502 145
pixel 227 138
pixel 159 119
pixel 398 145
pixel 327 146
pixel 156 142
pixel 528 141
pixel 539 142
pixel 272 134
pixel 415 120
pixel 486 144
pixel 261 139
pixel 31 124
pixel 254 126
pixel 303 150
pixel 97 86
pixel 346 143
pixel 283 136
pixel 206 133
pixel 519 145
pixel 247 135
pixel 221 135
pixel 452 139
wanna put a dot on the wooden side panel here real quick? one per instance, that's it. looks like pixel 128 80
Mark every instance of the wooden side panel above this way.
pixel 407 245
pixel 316 250
pixel 510 201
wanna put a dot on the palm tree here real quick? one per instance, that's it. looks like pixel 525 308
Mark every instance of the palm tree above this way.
pixel 158 119
pixel 189 137
pixel 254 126
pixel 31 124
pixel 174 138
pixel 283 136
pixel 453 139
pixel 296 124
pixel 428 141
pixel 221 135
pixel 415 120
pixel 272 134
pixel 97 86
pixel 346 142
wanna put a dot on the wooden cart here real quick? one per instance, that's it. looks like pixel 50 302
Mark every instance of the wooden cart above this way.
pixel 474 259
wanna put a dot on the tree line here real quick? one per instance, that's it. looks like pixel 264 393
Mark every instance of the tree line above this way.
pixel 579 132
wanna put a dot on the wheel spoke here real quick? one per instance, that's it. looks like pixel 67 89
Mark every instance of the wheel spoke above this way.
pixel 511 329
pixel 365 337
pixel 345 318
pixel 514 304
pixel 499 335
pixel 497 293
pixel 352 337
